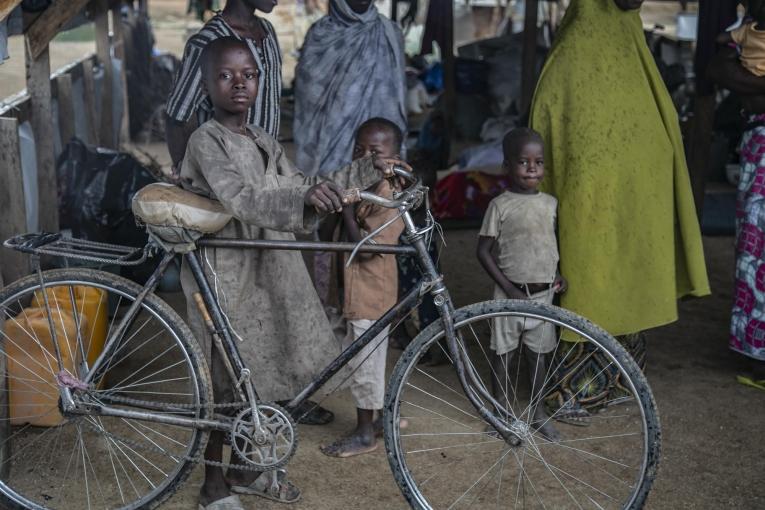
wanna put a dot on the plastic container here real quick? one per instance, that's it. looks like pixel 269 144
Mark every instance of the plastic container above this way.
pixel 32 364
pixel 91 303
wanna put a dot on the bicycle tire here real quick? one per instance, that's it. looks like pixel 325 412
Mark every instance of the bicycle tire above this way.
pixel 406 369
pixel 192 360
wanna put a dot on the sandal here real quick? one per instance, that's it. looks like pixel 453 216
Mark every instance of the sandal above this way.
pixel 227 503
pixel 571 413
pixel 748 381
pixel 271 485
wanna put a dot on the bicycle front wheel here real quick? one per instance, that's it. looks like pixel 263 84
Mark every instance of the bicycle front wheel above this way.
pixel 444 455
pixel 50 460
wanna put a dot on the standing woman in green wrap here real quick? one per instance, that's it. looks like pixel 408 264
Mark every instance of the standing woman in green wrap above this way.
pixel 629 237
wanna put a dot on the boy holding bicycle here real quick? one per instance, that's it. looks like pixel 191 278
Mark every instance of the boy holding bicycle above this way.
pixel 267 296
pixel 371 288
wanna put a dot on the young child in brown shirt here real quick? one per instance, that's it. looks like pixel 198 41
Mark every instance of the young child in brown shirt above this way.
pixel 371 288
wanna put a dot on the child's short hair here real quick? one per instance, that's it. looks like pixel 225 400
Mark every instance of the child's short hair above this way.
pixel 382 124
pixel 217 46
pixel 515 140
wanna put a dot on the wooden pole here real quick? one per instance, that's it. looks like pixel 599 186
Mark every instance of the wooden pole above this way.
pixel 38 87
pixel 699 147
pixel 529 57
pixel 89 100
pixel 450 75
pixel 106 124
pixel 119 52
pixel 65 108
pixel 13 212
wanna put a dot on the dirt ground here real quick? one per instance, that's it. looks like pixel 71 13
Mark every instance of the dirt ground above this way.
pixel 712 426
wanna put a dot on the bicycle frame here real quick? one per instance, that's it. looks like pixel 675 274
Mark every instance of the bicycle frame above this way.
pixel 432 282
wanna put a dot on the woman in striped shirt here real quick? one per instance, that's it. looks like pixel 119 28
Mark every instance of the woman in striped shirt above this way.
pixel 189 105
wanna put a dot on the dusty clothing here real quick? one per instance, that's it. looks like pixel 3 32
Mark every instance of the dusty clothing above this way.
pixel 537 335
pixel 752 42
pixel 524 226
pixel 368 380
pixel 267 295
pixel 371 284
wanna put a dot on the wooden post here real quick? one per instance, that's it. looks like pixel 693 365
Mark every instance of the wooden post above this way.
pixel 38 87
pixel 450 74
pixel 105 126
pixel 529 58
pixel 13 212
pixel 89 100
pixel 65 108
pixel 699 148
pixel 119 52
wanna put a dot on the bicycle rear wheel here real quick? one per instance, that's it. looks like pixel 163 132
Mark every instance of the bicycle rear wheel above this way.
pixel 449 457
pixel 87 461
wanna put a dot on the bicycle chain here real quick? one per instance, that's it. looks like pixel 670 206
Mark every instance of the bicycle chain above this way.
pixel 198 459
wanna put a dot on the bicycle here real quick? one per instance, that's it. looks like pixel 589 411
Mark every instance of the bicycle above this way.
pixel 132 421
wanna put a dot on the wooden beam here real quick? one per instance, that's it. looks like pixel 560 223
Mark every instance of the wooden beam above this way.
pixel 65 108
pixel 700 147
pixel 89 100
pixel 6 6
pixel 529 56
pixel 49 23
pixel 119 52
pixel 450 77
pixel 13 212
pixel 106 124
pixel 38 86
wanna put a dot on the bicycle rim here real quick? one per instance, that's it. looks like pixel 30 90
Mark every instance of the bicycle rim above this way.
pixel 448 457
pixel 55 461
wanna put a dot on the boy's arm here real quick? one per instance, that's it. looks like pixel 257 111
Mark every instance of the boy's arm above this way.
pixel 724 38
pixel 489 263
pixel 349 217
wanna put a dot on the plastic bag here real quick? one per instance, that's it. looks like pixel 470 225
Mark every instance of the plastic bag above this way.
pixel 96 187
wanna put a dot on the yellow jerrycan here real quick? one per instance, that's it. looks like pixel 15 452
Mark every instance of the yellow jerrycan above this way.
pixel 32 366
pixel 90 302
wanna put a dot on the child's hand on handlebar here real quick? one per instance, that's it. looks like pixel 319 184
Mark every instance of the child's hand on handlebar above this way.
pixel 325 197
pixel 385 165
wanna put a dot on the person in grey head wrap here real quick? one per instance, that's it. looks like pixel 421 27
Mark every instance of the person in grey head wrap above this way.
pixel 351 69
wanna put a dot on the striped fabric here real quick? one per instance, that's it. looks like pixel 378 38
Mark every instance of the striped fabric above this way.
pixel 187 96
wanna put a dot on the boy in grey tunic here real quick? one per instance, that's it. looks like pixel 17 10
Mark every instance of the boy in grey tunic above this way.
pixel 267 295
pixel 520 224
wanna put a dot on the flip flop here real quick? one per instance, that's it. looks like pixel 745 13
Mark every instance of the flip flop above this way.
pixel 227 503
pixel 571 413
pixel 263 487
pixel 748 381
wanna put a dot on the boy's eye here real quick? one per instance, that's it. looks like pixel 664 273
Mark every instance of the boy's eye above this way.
pixel 225 76
pixel 249 75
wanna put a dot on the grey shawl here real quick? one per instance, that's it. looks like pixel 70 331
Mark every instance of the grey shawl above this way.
pixel 351 69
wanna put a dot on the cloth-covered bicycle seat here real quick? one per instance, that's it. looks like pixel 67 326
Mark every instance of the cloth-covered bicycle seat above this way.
pixel 176 216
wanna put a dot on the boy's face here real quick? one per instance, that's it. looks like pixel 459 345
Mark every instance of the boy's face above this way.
pixel 232 80
pixel 526 169
pixel 261 5
pixel 629 5
pixel 375 141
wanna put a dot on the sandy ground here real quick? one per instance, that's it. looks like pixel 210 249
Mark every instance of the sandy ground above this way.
pixel 712 426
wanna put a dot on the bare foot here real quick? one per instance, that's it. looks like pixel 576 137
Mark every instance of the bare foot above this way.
pixel 356 443
pixel 544 425
pixel 378 425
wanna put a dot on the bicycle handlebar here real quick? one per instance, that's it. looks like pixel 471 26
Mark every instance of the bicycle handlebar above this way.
pixel 410 195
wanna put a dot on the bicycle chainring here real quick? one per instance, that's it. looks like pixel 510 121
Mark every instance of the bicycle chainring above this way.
pixel 273 445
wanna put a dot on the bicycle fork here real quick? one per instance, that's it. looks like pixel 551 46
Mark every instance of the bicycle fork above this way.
pixel 443 302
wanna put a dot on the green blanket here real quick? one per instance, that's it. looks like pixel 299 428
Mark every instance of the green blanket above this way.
pixel 630 243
